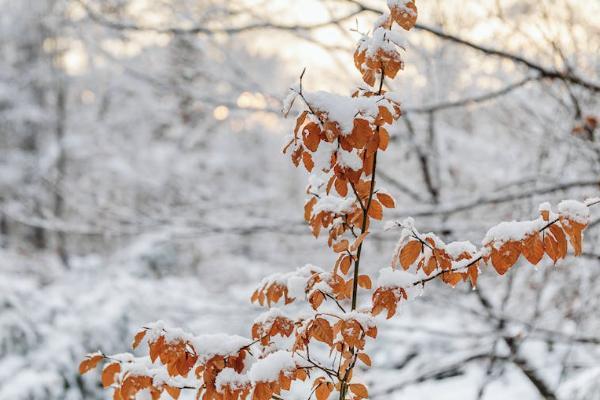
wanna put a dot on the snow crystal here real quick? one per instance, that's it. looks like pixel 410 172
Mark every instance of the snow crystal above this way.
pixel 268 368
pixel 574 210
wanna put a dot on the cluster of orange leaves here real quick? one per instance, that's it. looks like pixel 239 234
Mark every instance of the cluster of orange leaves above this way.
pixel 386 60
pixel 366 138
pixel 551 240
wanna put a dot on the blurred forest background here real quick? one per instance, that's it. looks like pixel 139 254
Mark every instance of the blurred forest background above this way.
pixel 141 178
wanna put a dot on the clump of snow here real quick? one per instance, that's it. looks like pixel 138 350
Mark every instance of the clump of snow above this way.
pixel 229 377
pixel 269 316
pixel 382 39
pixel 365 320
pixel 268 368
pixel 575 211
pixel 393 278
pixel 349 159
pixel 343 109
pixel 295 280
pixel 334 204
pixel 545 206
pixel 322 157
pixel 211 345
pixel 455 249
pixel 401 4
pixel 382 19
pixel 512 231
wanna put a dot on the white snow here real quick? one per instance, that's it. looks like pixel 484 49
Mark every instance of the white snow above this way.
pixel 343 109
pixel 384 39
pixel 512 231
pixel 334 204
pixel 401 4
pixel 349 159
pixel 210 345
pixel 267 369
pixel 574 210
pixel 455 249
pixel 229 377
pixel 393 278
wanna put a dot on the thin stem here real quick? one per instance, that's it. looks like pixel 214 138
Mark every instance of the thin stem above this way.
pixel 365 210
pixel 367 206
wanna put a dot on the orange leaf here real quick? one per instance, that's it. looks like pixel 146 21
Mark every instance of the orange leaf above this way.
pixel 316 299
pixel 300 121
pixel 561 239
pixel 533 248
pixel 359 390
pixel 505 257
pixel 364 281
pixel 341 186
pixel 430 266
pixel 321 331
pixel 138 338
pixel 405 16
pixel 174 392
pixel 574 230
pixel 323 391
pixel 341 246
pixel 375 210
pixel 308 161
pixel 386 200
pixel 345 264
pixel 90 362
pixel 452 278
pixel 109 372
pixel 409 253
pixel 386 115
pixel 551 247
pixel 308 207
pixel 358 241
pixel 384 139
pixel 360 133
pixel 365 359
pixel 311 136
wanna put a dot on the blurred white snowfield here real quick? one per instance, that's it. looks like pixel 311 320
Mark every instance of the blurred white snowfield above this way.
pixel 141 179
